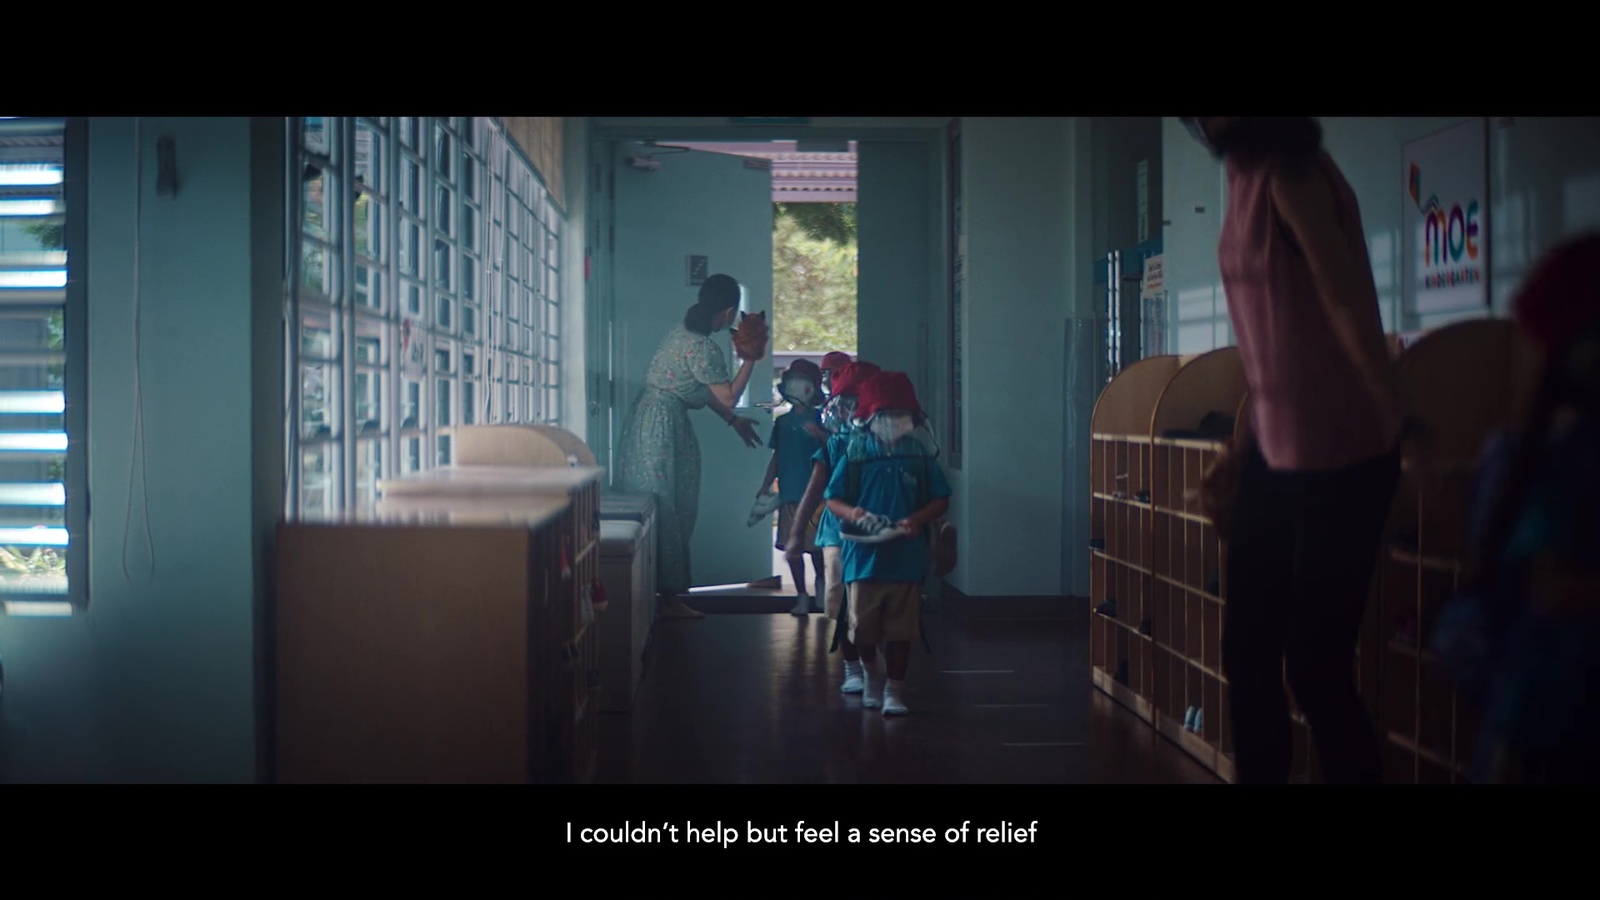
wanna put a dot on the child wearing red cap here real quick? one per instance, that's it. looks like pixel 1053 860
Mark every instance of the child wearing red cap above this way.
pixel 1522 638
pixel 838 417
pixel 832 362
pixel 886 491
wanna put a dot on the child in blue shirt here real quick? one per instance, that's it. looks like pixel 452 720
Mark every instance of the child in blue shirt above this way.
pixel 797 435
pixel 1524 636
pixel 886 491
pixel 838 417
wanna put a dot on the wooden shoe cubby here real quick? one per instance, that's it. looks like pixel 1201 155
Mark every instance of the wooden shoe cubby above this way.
pixel 1164 563
pixel 1464 381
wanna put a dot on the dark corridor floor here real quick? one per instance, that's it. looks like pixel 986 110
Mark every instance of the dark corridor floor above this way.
pixel 754 699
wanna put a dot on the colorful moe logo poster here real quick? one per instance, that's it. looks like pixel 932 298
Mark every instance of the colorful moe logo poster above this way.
pixel 1445 241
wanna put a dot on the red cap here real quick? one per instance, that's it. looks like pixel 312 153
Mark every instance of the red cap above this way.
pixel 1560 298
pixel 835 360
pixel 848 380
pixel 886 390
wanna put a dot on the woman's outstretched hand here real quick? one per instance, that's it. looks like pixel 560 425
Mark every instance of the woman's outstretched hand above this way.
pixel 747 431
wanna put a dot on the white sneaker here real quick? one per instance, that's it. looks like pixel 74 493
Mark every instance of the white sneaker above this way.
pixel 872 695
pixel 854 683
pixel 892 704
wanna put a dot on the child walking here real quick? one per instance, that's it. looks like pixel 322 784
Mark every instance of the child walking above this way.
pixel 886 491
pixel 832 362
pixel 838 417
pixel 797 435
pixel 1523 637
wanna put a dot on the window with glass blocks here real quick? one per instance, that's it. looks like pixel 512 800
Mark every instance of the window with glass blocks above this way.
pixel 427 297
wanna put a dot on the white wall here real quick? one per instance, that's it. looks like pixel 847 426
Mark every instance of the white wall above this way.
pixel 156 681
pixel 1544 184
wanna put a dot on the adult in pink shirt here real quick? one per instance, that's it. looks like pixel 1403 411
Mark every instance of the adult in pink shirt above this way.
pixel 1318 472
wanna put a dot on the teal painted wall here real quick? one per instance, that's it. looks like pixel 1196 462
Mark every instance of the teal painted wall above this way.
pixel 1024 259
pixel 156 681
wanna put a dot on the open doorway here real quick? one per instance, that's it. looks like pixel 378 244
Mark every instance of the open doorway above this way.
pixel 815 268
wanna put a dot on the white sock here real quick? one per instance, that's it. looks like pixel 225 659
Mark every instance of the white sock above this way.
pixel 852 668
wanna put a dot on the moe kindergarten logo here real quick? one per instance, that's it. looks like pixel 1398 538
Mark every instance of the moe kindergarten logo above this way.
pixel 1450 248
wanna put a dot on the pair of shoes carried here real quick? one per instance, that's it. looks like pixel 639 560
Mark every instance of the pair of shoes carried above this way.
pixel 871 529
pixel 766 504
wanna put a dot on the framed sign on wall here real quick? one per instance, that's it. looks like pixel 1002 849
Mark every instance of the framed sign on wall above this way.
pixel 1445 243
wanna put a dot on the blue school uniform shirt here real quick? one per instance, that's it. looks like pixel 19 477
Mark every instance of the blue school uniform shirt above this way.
pixel 1531 672
pixel 828 524
pixel 888 486
pixel 795 448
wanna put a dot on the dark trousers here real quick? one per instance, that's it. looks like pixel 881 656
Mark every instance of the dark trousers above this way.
pixel 1301 553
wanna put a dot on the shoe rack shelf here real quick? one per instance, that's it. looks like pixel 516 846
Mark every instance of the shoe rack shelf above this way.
pixel 1155 591
pixel 1463 380
pixel 1158 587
pixel 1121 517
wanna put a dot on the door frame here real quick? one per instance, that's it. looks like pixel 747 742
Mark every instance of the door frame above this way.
pixel 603 403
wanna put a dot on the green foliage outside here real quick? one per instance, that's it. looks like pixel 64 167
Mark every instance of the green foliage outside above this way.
pixel 815 263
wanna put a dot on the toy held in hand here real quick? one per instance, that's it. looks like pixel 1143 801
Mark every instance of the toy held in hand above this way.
pixel 766 504
pixel 751 336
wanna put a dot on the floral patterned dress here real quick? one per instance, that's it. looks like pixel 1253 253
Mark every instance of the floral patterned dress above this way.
pixel 658 453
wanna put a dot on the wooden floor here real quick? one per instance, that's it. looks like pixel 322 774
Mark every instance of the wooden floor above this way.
pixel 754 698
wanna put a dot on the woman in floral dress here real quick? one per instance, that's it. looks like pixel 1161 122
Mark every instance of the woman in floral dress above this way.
pixel 658 453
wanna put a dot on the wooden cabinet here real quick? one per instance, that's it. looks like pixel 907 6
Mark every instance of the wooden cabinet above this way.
pixel 572 628
pixel 415 645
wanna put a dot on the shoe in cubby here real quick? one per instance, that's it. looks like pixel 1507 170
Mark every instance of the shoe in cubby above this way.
pixel 1107 608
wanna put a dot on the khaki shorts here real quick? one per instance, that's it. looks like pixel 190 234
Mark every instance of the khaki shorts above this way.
pixel 884 611
pixel 786 527
pixel 833 579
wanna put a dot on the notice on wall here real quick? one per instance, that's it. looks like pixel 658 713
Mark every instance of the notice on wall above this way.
pixel 412 360
pixel 1445 235
pixel 1152 284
